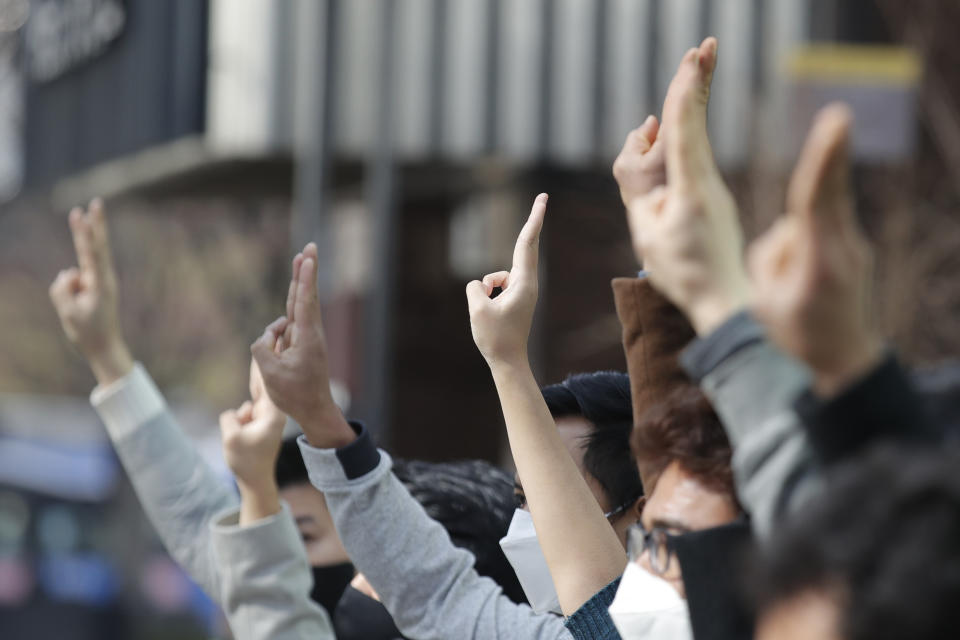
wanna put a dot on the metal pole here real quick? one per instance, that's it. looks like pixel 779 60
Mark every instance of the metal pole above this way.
pixel 315 30
pixel 380 191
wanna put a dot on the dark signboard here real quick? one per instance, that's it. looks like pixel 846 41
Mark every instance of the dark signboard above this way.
pixel 105 78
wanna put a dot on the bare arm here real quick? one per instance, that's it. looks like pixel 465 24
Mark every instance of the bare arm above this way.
pixel 580 547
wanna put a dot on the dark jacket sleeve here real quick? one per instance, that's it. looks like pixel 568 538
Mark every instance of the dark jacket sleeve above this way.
pixel 592 620
pixel 882 405
pixel 712 562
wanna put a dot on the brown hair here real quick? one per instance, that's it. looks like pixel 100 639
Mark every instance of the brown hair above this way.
pixel 683 427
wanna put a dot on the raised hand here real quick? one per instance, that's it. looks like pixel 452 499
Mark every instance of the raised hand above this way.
pixel 501 325
pixel 292 356
pixel 640 167
pixel 688 232
pixel 251 437
pixel 812 270
pixel 85 297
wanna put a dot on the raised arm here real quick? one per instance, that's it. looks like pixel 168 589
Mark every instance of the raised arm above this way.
pixel 581 549
pixel 178 490
pixel 429 586
pixel 265 576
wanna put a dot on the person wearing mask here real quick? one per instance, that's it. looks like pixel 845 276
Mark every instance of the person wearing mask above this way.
pixel 181 494
pixel 593 416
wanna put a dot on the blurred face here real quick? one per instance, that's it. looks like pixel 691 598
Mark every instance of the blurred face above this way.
pixel 574 431
pixel 315 524
pixel 807 615
pixel 680 503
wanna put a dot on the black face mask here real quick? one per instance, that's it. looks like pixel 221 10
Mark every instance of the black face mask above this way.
pixel 360 617
pixel 329 583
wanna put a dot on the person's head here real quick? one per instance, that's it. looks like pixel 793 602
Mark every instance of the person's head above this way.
pixel 473 501
pixel 682 439
pixel 594 417
pixel 876 556
pixel 309 508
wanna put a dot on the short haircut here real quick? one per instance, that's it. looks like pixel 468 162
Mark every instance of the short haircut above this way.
pixel 883 539
pixel 473 500
pixel 290 469
pixel 603 398
pixel 683 427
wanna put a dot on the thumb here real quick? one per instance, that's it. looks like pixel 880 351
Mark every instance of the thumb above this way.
pixel 477 297
pixel 229 424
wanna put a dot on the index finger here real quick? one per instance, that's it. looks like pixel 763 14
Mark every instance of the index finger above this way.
pixel 292 291
pixel 526 251
pixel 688 152
pixel 100 238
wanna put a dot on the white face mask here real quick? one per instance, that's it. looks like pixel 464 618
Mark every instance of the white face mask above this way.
pixel 523 551
pixel 649 608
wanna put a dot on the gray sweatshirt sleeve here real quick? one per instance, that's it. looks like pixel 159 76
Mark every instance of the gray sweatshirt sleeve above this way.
pixel 427 584
pixel 752 386
pixel 265 580
pixel 180 493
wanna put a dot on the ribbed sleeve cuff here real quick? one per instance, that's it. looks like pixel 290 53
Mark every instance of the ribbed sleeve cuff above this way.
pixel 269 539
pixel 592 621
pixel 129 402
pixel 882 404
pixel 331 468
pixel 707 353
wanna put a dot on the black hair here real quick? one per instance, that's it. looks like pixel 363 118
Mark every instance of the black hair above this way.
pixel 473 500
pixel 603 398
pixel 882 541
pixel 290 469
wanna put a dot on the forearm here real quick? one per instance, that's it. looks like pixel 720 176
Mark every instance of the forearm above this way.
pixel 178 490
pixel 265 579
pixel 429 586
pixel 752 386
pixel 580 546
pixel 111 363
pixel 258 500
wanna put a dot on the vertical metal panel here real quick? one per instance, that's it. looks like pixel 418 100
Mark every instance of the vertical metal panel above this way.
pixel 465 75
pixel 731 102
pixel 680 26
pixel 438 72
pixel 626 70
pixel 518 99
pixel 492 84
pixel 355 109
pixel 600 63
pixel 412 88
pixel 573 52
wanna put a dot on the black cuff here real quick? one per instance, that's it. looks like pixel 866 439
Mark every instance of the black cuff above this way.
pixel 706 354
pixel 881 405
pixel 360 457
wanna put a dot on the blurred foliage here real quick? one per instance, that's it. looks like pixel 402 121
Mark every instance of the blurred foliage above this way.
pixel 199 279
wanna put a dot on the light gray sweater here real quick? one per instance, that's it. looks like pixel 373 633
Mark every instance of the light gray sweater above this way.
pixel 752 386
pixel 259 573
pixel 428 585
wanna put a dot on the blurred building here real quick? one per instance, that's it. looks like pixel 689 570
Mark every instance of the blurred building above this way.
pixel 409 137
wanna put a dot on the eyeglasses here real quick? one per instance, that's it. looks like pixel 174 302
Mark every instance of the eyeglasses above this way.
pixel 657 541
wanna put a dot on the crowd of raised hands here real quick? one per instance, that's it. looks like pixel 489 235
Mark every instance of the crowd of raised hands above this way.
pixel 764 468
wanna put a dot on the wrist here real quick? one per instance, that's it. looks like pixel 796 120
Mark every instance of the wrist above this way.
pixel 258 499
pixel 111 363
pixel 326 428
pixel 828 381
pixel 712 311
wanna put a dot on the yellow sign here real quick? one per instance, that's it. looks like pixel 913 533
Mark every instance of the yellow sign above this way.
pixel 855 65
